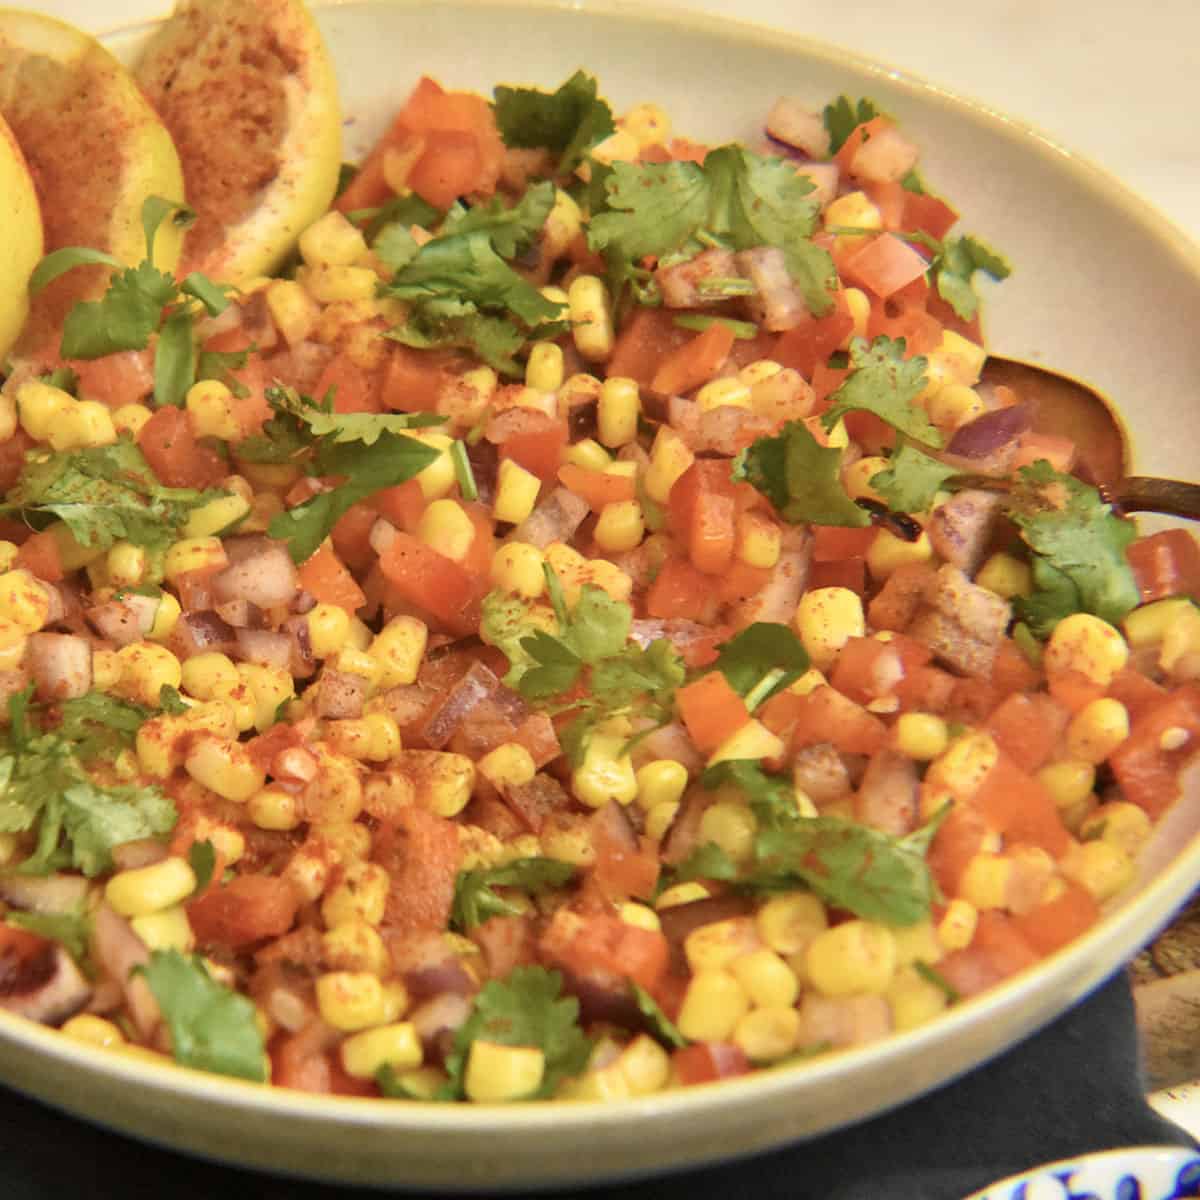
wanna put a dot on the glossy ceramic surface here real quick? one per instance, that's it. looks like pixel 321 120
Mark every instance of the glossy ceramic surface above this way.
pixel 1138 1173
pixel 1101 290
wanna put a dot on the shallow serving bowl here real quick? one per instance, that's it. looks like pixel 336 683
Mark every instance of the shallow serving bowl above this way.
pixel 1101 290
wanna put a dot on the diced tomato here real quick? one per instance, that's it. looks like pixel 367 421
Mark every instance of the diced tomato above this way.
pixel 1056 922
pixel 598 488
pixel 414 379
pixel 354 390
pixel 646 339
pixel 325 577
pixel 402 504
pixel 809 344
pixel 1016 804
pixel 430 580
pixel 887 196
pixel 621 871
pixel 478 559
pixel 39 554
pixel 921 330
pixel 12 457
pixel 706 1062
pixel 1139 694
pixel 958 839
pixel 740 581
pixel 1027 726
pixel 679 590
pixel 537 445
pixel 451 166
pixel 826 380
pixel 602 942
pixel 861 133
pixel 927 213
pixel 832 543
pixel 848 573
pixel 925 689
pixel 937 307
pixel 126 377
pixel 695 362
pixel 1146 769
pixel 174 454
pixel 421 853
pixel 1011 670
pixel 1165 564
pixel 711 710
pixel 350 535
pixel 998 936
pixel 1059 452
pixel 243 911
pixel 884 265
pixel 872 433
pixel 866 669
pixel 825 715
pixel 1073 688
pixel 703 508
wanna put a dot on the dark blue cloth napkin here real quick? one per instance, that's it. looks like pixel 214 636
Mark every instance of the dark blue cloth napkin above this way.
pixel 1075 1087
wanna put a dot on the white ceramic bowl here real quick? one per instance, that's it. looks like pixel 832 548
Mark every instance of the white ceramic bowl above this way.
pixel 1136 1173
pixel 1101 289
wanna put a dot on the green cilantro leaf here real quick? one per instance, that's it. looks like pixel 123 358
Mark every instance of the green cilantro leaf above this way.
pixel 175 359
pixel 401 212
pixel 212 1027
pixel 475 900
pixel 661 1025
pixel 955 266
pixel 170 701
pixel 911 480
pixel 844 116
pixel 526 1009
pixel 504 624
pixel 72 930
pixel 366 428
pixel 389 460
pixel 568 121
pixel 1079 562
pixel 512 230
pixel 104 494
pixel 800 477
pixel 98 725
pixel 771 798
pixel 765 651
pixel 707 861
pixel 202 858
pixel 882 381
pixel 496 340
pixel 124 318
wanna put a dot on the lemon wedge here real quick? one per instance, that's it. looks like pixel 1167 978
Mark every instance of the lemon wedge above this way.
pixel 21 242
pixel 249 94
pixel 95 150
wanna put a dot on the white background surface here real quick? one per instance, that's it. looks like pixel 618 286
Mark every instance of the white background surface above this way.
pixel 1113 80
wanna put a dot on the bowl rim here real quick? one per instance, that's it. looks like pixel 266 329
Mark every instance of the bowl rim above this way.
pixel 1133 1156
pixel 1124 926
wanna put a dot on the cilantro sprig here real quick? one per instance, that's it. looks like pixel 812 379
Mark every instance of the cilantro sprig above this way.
pixel 843 116
pixel 568 121
pixel 140 302
pixel 475 897
pixel 882 381
pixel 764 658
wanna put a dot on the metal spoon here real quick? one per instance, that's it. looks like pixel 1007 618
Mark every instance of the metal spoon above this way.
pixel 1071 409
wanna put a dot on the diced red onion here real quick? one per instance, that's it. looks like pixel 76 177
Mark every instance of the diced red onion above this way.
pixel 118 950
pixel 729 429
pixel 296 764
pixel 123 621
pixel 885 157
pixel 47 987
pixel 239 614
pixel 988 433
pixel 791 121
pixel 477 685
pixel 382 535
pixel 202 633
pixel 260 571
pixel 678 920
pixel 555 519
pixel 684 416
pixel 61 665
pixel 264 646
pixel 888 794
pixel 59 893
pixel 301 662
pixel 778 303
pixel 824 178
pixel 340 694
pixel 680 284
pixel 303 602
pixel 779 597
pixel 288 1008
pixel 144 852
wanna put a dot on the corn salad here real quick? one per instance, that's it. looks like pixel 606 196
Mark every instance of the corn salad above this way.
pixel 549 646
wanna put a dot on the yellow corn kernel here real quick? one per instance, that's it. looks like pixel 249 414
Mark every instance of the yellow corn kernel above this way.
pixel 856 478
pixel 641 916
pixel 544 367
pixel 8 555
pixel 788 922
pixel 361 896
pixel 1103 867
pixel 351 1000
pixel 328 629
pixel 168 929
pixel 516 492
pixel 332 241
pixel 211 407
pixel 447 528
pixel 497 1073
pixel 606 773
pixel 768 980
pixel 648 124
pixel 106 669
pixel 916 943
pixel 852 958
pixel 569 843
pixel 588 454
pixel 509 765
pixel 670 457
pixel 269 687
pixel 440 477
pixel 621 146
pixel 985 879
pixel 1181 644
pixel 1088 645
pixel 962 766
pixel 224 767
pixel 681 893
pixel 660 782
pixel 1005 575
pixel 209 676
pixel 294 311
pixel 1122 824
pixel 518 567
pixel 125 564
pixel 808 682
pixel 620 526
pixel 1148 625
pixel 716 945
pixel 645 1065
pixel 41 406
pixel 396 1046
pixel 442 781
pixel 355 946
pixel 768 1033
pixel 660 818
pixel 93 1031
pixel 86 423
pixel 759 540
pixel 143 890
pixel 8 416
pixel 752 740
pixel 564 223
pixel 24 600
pixel 887 552
pixel 580 387
pixel 956 929
pixel 859 306
pixel 920 735
pixel 145 670
pixel 728 392
pixel 130 418
pixel 732 827
pixel 589 309
pixel 608 577
pixel 216 516
pixel 1097 729
pixel 570 566
pixel 712 1006
pixel 759 372
pixel 193 554
pixel 617 411
pixel 914 1000
pixel 273 808
pixel 854 209
pixel 374 737
pixel 397 651
pixel 826 619
pixel 466 399
pixel 166 617
pixel 955 405
pixel 962 358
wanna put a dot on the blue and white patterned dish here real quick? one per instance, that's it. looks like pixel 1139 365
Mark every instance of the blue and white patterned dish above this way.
pixel 1136 1173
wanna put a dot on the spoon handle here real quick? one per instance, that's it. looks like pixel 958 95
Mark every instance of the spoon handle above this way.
pixel 1144 493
